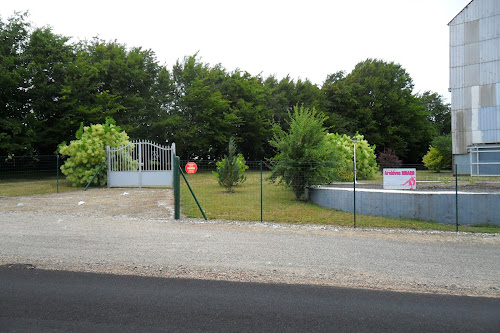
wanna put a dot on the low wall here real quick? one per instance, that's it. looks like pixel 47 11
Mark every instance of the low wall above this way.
pixel 473 208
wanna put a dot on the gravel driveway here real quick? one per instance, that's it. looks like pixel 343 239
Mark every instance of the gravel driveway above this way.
pixel 132 231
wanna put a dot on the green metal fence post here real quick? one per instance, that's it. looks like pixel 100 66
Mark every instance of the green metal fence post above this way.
pixel 354 192
pixel 261 195
pixel 456 197
pixel 177 188
pixel 57 172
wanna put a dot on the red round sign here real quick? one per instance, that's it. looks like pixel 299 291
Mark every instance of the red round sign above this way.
pixel 191 168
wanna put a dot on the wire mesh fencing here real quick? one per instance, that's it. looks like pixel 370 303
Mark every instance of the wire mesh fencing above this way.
pixel 417 196
pixel 242 202
pixel 321 193
pixel 29 167
pixel 409 195
pixel 42 171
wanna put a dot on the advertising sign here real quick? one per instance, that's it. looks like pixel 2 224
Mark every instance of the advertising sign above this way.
pixel 191 168
pixel 400 179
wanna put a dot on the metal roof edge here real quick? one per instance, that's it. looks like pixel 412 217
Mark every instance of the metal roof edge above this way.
pixel 460 12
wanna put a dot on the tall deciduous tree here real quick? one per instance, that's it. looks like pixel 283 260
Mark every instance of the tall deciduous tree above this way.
pixel 47 59
pixel 108 79
pixel 247 96
pixel 203 118
pixel 161 126
pixel 285 94
pixel 438 111
pixel 376 99
pixel 49 86
pixel 16 135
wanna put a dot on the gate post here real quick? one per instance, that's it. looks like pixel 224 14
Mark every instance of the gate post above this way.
pixel 108 158
pixel 140 164
pixel 177 188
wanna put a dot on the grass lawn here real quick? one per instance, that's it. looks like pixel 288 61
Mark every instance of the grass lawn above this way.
pixel 13 188
pixel 279 205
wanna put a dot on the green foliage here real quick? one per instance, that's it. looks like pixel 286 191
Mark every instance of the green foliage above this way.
pixel 377 99
pixel 16 135
pixel 433 160
pixel 439 156
pixel 107 79
pixel 439 112
pixel 211 105
pixel 231 169
pixel 285 94
pixel 88 152
pixel 279 206
pixel 48 56
pixel 203 118
pixel 388 159
pixel 304 157
pixel 366 165
pixel 50 85
pixel 247 96
pixel 443 143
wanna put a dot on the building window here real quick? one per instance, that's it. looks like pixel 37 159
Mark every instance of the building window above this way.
pixel 485 160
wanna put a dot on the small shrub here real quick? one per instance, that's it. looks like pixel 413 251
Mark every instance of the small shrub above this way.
pixel 304 157
pixel 433 160
pixel 439 156
pixel 389 159
pixel 231 169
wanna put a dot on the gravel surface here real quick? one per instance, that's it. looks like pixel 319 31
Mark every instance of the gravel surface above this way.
pixel 132 231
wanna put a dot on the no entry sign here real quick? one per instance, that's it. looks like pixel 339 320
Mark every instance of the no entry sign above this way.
pixel 191 168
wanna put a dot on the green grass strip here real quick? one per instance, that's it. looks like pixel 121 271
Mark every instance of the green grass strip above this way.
pixel 280 206
pixel 12 188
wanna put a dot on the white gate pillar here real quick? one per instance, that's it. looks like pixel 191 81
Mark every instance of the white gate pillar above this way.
pixel 108 158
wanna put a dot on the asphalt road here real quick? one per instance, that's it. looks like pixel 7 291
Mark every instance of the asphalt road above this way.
pixel 33 300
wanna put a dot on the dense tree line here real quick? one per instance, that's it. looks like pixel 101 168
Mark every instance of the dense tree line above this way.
pixel 48 86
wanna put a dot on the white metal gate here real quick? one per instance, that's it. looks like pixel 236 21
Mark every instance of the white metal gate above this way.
pixel 140 163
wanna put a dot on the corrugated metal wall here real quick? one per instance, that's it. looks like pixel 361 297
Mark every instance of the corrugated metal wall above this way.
pixel 475 75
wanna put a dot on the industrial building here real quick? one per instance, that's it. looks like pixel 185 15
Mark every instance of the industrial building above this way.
pixel 475 88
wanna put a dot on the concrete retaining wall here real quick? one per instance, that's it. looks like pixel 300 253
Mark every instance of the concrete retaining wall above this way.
pixel 473 208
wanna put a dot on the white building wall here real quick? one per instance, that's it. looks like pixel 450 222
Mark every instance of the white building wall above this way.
pixel 475 75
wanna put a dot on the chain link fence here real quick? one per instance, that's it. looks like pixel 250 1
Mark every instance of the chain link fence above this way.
pixel 446 197
pixel 409 193
pixel 42 168
pixel 412 192
pixel 29 167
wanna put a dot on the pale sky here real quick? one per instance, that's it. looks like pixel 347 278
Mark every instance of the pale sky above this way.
pixel 304 39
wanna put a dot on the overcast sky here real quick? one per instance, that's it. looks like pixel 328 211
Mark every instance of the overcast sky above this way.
pixel 305 39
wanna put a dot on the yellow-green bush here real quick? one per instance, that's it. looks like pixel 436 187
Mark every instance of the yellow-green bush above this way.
pixel 366 165
pixel 88 152
pixel 439 156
